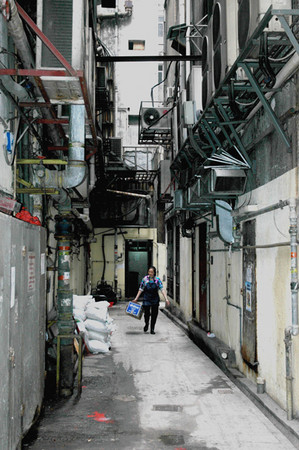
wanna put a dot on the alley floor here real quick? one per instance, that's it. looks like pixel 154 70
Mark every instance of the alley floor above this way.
pixel 154 392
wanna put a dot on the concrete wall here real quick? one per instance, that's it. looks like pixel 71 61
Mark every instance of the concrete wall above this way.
pixel 133 81
pixel 159 255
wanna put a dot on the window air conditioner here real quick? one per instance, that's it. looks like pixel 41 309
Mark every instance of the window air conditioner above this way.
pixel 182 132
pixel 178 200
pixel 195 86
pixel 223 182
pixel 63 23
pixel 207 67
pixel 194 195
pixel 250 13
pixel 225 42
pixel 155 119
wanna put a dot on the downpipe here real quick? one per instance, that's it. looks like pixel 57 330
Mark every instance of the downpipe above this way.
pixel 294 329
pixel 75 172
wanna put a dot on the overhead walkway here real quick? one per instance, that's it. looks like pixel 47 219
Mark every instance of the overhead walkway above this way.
pixel 155 392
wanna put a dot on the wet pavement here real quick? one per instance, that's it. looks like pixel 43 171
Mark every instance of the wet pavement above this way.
pixel 154 392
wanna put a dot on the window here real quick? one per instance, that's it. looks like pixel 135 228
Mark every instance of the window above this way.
pixel 161 26
pixel 160 73
pixel 136 45
pixel 133 119
pixel 108 3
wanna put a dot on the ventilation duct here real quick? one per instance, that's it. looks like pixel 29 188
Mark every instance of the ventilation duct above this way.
pixel 207 67
pixel 225 50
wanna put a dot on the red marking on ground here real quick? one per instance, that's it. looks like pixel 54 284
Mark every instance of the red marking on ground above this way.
pixel 100 417
pixel 84 387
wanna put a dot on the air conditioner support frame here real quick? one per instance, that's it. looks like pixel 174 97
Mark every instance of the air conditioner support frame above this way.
pixel 219 115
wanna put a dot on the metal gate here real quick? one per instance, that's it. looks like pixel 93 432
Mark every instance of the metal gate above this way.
pixel 22 326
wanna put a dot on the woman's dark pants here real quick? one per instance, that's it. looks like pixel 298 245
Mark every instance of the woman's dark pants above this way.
pixel 151 310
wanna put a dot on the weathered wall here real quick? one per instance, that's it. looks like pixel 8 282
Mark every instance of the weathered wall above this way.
pixel 159 255
pixel 22 326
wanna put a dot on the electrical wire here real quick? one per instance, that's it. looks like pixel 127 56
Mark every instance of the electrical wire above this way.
pixel 247 104
pixel 163 81
pixel 283 58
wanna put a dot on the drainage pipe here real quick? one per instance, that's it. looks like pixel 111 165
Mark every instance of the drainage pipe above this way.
pixel 289 375
pixel 75 172
pixel 294 274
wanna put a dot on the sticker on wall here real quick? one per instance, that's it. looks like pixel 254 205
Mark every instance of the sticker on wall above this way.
pixel 31 271
pixel 12 286
pixel 248 296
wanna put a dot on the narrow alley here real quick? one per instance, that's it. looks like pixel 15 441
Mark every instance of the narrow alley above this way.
pixel 154 392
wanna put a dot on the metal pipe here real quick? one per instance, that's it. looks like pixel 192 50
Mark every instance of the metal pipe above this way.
pixel 75 172
pixel 238 218
pixel 131 194
pixel 294 274
pixel 289 375
pixel 283 75
pixel 115 259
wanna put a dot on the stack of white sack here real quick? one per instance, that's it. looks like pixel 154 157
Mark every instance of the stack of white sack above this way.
pixel 93 322
pixel 80 303
pixel 99 327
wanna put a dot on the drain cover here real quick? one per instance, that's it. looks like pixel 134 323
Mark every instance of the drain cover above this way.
pixel 173 408
pixel 172 439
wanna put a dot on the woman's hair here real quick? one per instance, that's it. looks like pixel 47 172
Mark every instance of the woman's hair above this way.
pixel 154 269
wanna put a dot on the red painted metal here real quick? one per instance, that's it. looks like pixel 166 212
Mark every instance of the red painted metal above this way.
pixel 58 148
pixel 52 121
pixel 36 72
pixel 47 100
pixel 46 41
pixel 35 105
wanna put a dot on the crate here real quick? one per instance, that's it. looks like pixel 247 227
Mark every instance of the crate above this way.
pixel 134 310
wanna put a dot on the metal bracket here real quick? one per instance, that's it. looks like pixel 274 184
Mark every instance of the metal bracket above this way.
pixel 266 104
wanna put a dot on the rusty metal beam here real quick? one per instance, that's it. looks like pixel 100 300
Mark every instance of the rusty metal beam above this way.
pixel 47 100
pixel 143 58
pixel 36 72
pixel 52 121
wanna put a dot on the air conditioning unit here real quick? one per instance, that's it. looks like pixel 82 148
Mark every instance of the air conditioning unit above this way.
pixel 251 12
pixel 63 23
pixel 226 182
pixel 194 195
pixel 195 86
pixel 178 200
pixel 102 77
pixel 207 66
pixel 155 119
pixel 116 146
pixel 225 42
pixel 182 132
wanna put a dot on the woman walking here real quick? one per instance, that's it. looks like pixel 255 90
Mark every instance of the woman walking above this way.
pixel 150 286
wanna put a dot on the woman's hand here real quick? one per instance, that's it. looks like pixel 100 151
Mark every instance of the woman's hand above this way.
pixel 135 300
pixel 167 302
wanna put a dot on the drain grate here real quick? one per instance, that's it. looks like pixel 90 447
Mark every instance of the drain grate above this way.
pixel 173 408
pixel 172 439
pixel 224 391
